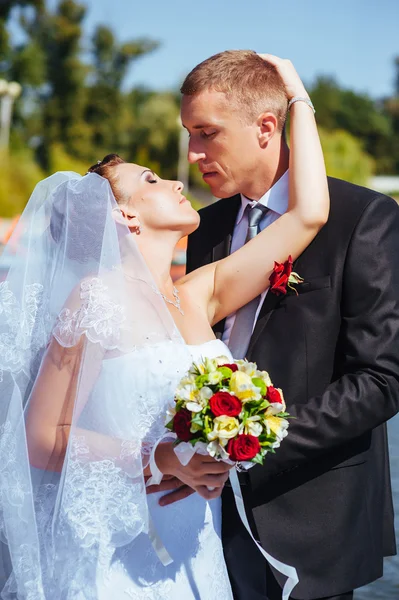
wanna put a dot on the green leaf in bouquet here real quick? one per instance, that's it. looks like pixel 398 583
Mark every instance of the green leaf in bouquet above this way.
pixel 169 425
pixel 179 405
pixel 195 428
pixel 198 420
pixel 267 439
pixel 259 383
pixel 226 372
pixel 262 406
pixel 284 415
pixel 201 380
pixel 258 459
pixel 196 439
pixel 254 407
pixel 208 424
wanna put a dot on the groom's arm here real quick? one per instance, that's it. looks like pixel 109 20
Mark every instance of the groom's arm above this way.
pixel 366 392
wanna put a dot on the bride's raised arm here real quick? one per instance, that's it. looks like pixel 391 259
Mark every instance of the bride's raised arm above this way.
pixel 245 274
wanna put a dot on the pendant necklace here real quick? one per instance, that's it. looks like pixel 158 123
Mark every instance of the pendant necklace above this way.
pixel 176 302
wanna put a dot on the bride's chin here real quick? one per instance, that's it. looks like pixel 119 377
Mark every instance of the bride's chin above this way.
pixel 190 228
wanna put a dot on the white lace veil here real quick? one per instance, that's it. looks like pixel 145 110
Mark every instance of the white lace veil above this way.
pixel 77 303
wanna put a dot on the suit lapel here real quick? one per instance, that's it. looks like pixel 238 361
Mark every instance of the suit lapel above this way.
pixel 222 248
pixel 271 302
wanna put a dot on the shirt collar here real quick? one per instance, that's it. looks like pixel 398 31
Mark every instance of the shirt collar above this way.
pixel 276 198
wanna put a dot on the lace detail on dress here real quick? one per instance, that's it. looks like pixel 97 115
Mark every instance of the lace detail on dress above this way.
pixel 101 503
pixel 23 333
pixel 15 490
pixel 98 317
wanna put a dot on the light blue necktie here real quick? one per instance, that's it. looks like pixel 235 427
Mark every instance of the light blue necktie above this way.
pixel 242 328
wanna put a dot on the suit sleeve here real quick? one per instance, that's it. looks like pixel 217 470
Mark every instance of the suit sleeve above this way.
pixel 190 255
pixel 366 392
pixel 195 247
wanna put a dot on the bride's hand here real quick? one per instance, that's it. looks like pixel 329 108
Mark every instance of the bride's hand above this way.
pixel 292 82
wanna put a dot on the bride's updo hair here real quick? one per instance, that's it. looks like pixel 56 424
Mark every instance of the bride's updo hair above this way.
pixel 68 218
pixel 105 168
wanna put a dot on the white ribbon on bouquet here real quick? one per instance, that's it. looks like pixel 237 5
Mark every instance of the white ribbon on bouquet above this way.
pixel 287 570
pixel 185 451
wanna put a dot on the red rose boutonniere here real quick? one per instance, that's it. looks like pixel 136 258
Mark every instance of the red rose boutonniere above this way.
pixel 283 278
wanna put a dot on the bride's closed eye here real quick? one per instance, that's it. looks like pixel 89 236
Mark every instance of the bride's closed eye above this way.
pixel 150 177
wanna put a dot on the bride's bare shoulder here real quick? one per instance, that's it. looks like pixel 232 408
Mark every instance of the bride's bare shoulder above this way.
pixel 199 278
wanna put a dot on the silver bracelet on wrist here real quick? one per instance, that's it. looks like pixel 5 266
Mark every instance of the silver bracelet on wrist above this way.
pixel 301 99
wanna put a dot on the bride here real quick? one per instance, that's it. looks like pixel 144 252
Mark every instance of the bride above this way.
pixel 94 337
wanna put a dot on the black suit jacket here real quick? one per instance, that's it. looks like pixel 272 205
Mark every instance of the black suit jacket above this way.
pixel 323 502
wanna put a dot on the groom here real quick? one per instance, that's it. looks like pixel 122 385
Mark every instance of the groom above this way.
pixel 323 502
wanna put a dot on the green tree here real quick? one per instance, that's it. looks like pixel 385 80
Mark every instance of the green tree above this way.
pixel 391 106
pixel 359 115
pixel 155 131
pixel 345 157
pixel 107 110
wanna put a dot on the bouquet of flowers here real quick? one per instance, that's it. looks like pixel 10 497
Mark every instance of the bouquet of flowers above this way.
pixel 231 409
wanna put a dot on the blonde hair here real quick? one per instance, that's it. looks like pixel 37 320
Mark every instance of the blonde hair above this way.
pixel 252 85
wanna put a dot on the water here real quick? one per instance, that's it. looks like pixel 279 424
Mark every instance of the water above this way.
pixel 387 588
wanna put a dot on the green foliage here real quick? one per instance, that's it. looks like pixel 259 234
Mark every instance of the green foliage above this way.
pixel 59 160
pixel 75 108
pixel 20 174
pixel 368 121
pixel 345 157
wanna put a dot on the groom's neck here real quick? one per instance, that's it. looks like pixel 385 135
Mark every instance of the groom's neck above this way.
pixel 273 166
pixel 282 162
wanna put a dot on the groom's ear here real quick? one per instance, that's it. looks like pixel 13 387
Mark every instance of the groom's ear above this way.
pixel 267 126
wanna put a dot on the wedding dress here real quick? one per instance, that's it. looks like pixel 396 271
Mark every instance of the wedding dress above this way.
pixel 88 346
pixel 190 529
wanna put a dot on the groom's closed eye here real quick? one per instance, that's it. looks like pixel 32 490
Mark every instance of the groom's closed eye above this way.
pixel 207 134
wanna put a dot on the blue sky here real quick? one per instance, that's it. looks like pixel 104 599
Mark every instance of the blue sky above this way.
pixel 352 40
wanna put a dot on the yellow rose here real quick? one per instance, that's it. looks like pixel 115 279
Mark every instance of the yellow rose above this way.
pixel 247 367
pixel 241 386
pixel 277 425
pixel 224 428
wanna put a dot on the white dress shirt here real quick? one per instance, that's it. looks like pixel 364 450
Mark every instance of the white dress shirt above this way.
pixel 276 200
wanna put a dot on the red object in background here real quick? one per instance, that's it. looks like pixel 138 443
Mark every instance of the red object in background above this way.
pixel 179 260
pixel 10 230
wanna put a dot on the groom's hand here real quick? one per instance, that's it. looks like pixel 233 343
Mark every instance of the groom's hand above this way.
pixel 184 491
pixel 200 474
pixel 168 483
pixel 176 488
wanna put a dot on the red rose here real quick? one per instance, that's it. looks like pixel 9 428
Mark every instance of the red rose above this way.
pixel 223 403
pixel 243 447
pixel 182 424
pixel 273 395
pixel 233 367
pixel 279 277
